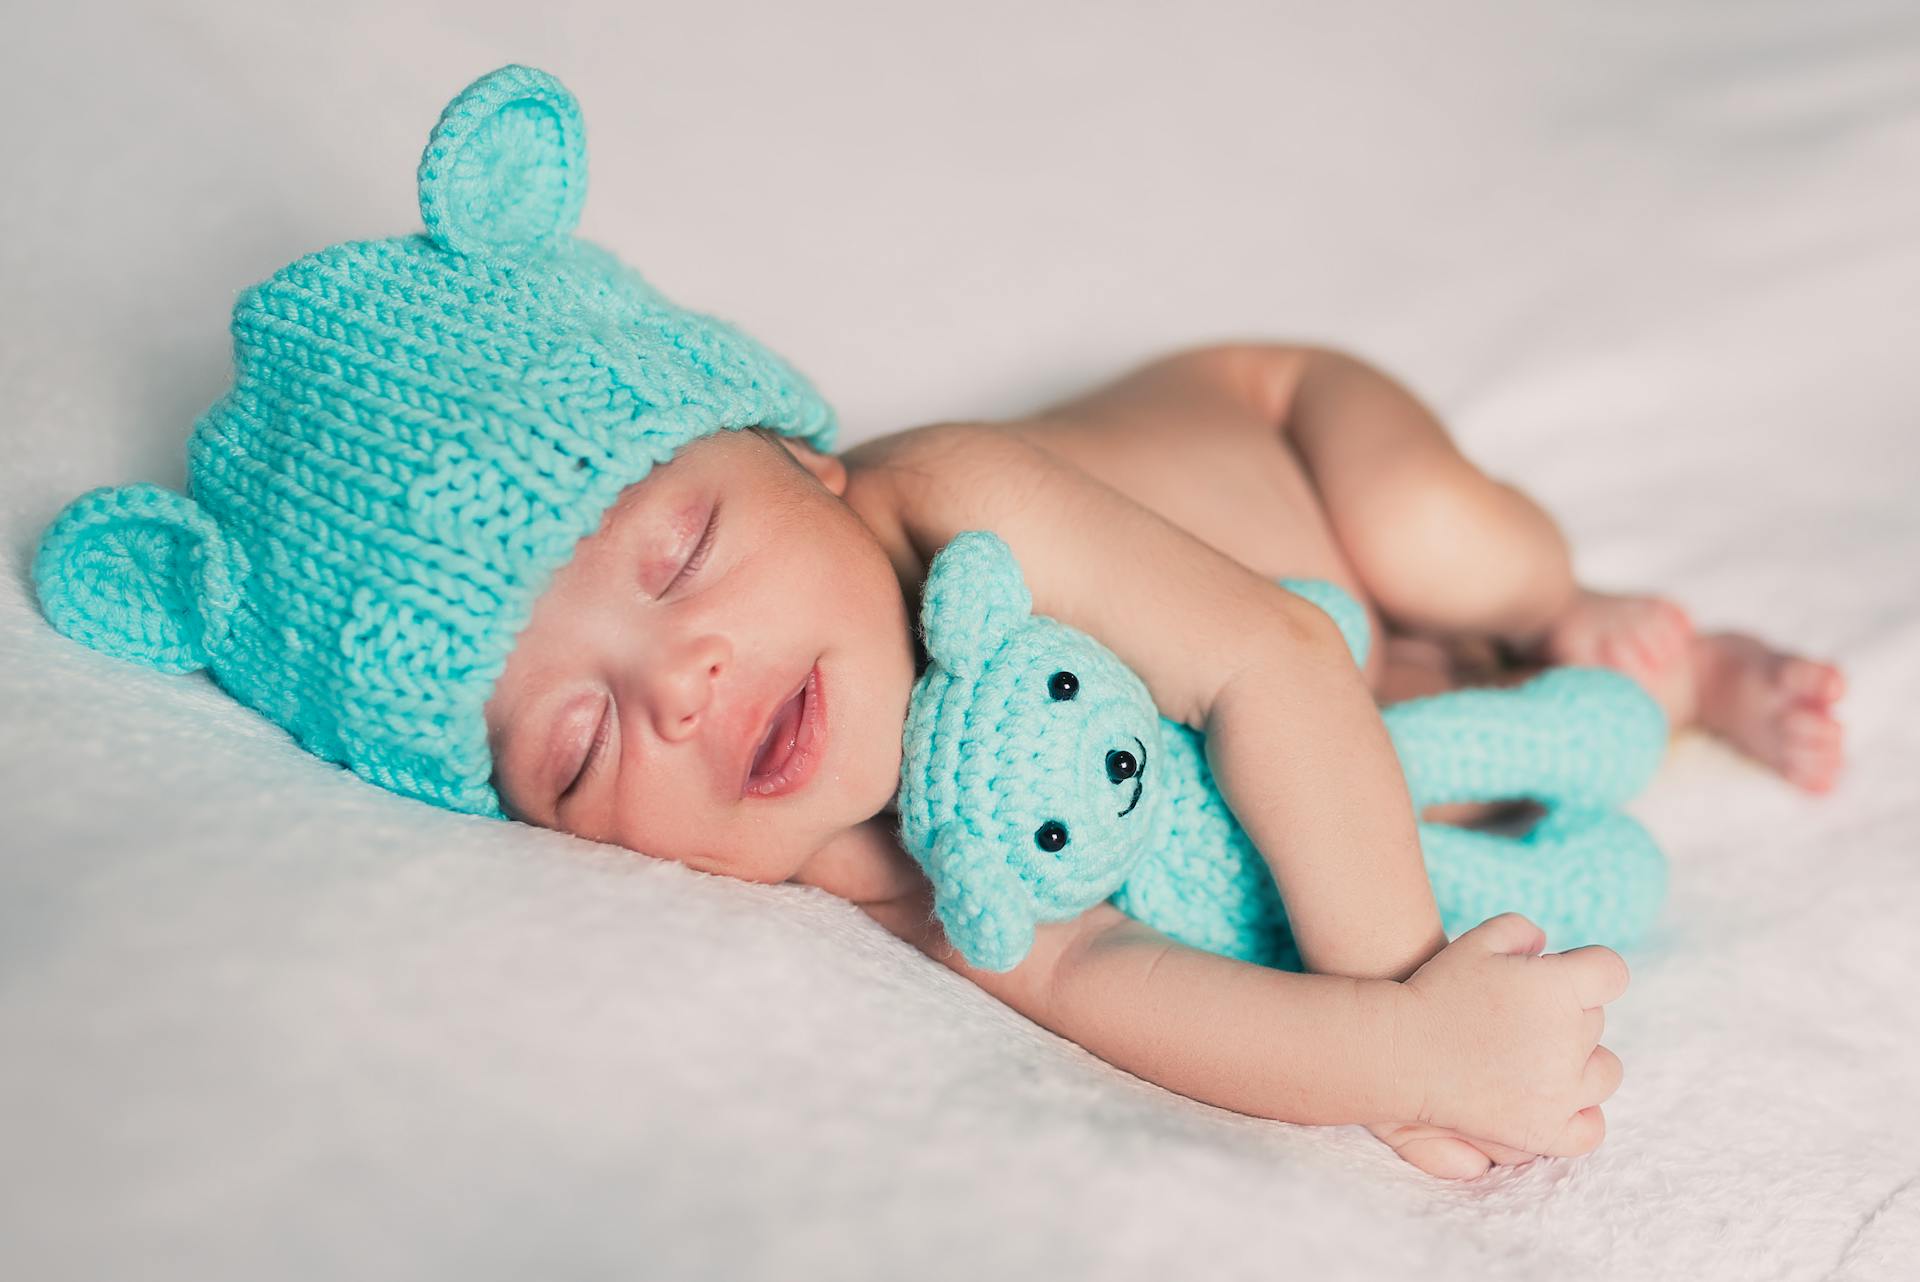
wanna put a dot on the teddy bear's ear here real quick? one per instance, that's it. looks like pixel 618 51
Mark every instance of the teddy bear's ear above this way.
pixel 504 173
pixel 984 909
pixel 140 573
pixel 972 600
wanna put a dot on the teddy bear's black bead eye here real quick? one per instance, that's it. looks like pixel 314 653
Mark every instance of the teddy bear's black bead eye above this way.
pixel 1050 836
pixel 1121 765
pixel 1063 685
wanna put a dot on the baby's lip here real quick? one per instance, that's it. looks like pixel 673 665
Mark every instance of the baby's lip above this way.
pixel 758 740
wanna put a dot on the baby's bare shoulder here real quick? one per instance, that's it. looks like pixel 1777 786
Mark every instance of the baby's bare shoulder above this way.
pixel 933 482
pixel 1092 557
pixel 930 482
pixel 937 454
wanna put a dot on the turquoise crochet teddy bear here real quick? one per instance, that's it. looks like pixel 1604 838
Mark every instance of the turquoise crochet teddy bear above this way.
pixel 1038 779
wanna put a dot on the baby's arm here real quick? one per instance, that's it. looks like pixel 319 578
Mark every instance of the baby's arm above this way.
pixel 1295 742
pixel 1303 760
pixel 1486 1038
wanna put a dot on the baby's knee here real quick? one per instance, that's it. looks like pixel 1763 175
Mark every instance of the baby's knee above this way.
pixel 1460 552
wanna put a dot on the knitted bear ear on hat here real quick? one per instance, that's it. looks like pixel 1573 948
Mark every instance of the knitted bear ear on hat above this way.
pixel 141 573
pixel 504 173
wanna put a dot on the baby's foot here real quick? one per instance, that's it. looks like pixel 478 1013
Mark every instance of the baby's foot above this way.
pixel 1774 707
pixel 1648 638
pixel 1447 1154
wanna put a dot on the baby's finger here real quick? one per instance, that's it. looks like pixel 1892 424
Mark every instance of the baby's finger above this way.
pixel 1582 1134
pixel 1599 974
pixel 1602 1076
pixel 1596 1024
pixel 1501 1154
pixel 1507 933
pixel 1447 1156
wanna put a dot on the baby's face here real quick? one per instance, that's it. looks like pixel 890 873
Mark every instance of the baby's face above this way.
pixel 662 660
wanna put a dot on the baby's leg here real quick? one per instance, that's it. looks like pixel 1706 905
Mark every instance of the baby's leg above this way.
pixel 1448 553
pixel 1442 549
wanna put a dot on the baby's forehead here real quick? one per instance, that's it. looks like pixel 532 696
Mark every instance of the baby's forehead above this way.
pixel 725 449
pixel 680 482
pixel 657 477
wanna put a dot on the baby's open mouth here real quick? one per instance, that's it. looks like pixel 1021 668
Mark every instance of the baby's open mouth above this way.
pixel 781 736
pixel 796 739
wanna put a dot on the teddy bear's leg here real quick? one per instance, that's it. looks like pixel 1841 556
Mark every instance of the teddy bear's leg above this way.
pixel 1587 737
pixel 1583 876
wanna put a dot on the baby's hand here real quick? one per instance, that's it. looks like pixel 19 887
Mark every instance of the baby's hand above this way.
pixel 1500 1042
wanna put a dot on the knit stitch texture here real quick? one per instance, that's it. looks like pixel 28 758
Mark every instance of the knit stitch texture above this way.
pixel 419 432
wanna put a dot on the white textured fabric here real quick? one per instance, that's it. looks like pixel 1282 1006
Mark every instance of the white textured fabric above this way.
pixel 1659 264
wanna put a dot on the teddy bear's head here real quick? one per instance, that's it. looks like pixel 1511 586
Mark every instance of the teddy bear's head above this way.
pixel 1027 787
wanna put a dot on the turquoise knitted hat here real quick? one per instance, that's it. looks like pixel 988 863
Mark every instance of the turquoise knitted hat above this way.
pixel 419 432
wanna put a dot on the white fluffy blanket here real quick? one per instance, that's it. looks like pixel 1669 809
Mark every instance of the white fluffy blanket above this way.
pixel 1659 264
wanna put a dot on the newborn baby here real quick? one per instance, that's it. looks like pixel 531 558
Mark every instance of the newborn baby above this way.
pixel 741 710
pixel 488 519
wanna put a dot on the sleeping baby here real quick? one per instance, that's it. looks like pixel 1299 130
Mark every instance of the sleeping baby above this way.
pixel 492 522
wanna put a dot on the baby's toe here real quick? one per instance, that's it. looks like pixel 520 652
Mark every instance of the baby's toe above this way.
pixel 1810 681
pixel 1625 651
pixel 1643 644
pixel 1673 630
pixel 1805 725
pixel 1812 756
pixel 1816 772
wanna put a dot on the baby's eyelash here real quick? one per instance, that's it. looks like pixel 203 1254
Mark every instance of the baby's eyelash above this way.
pixel 699 556
pixel 593 755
